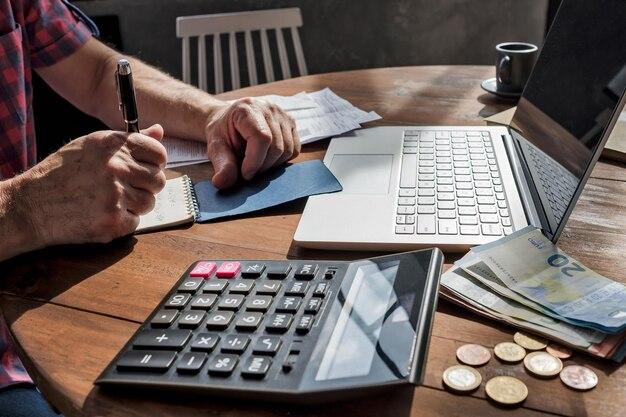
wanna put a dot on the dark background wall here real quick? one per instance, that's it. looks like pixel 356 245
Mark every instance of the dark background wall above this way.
pixel 346 34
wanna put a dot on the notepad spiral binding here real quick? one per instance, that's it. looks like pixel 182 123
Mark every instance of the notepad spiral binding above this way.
pixel 190 198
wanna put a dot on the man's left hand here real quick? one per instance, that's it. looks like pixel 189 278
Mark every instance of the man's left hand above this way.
pixel 259 134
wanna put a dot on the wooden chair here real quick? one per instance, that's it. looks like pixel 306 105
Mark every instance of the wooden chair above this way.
pixel 213 25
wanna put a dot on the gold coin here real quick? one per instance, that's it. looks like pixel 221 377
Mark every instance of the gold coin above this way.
pixel 579 377
pixel 506 390
pixel 472 354
pixel 509 352
pixel 559 351
pixel 529 342
pixel 543 364
pixel 462 378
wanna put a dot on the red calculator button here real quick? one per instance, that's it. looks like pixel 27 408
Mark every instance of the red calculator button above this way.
pixel 203 269
pixel 228 269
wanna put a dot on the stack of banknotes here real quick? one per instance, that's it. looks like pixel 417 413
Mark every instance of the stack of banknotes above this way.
pixel 526 281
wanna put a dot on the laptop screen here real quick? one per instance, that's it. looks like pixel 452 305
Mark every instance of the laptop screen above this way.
pixel 570 100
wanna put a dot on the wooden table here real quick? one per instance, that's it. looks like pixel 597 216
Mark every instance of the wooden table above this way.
pixel 72 308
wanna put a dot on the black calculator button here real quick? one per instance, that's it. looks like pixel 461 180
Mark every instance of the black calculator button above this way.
pixel 191 319
pixel 258 302
pixel 243 286
pixel 304 324
pixel 252 270
pixel 222 364
pixel 256 367
pixel 146 360
pixel 320 289
pixel 268 288
pixel 203 301
pixel 205 342
pixel 267 345
pixel 164 318
pixel 306 272
pixel 191 363
pixel 235 343
pixel 248 321
pixel 313 305
pixel 231 302
pixel 191 284
pixel 278 272
pixel 162 339
pixel 178 301
pixel 215 286
pixel 330 273
pixel 279 322
pixel 219 319
pixel 290 362
pixel 288 304
pixel 297 288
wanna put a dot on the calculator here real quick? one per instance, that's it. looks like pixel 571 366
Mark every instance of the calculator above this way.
pixel 304 331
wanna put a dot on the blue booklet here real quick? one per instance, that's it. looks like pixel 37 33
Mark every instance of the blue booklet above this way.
pixel 182 202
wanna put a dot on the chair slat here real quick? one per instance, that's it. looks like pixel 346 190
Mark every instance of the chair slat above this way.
pixel 267 57
pixel 297 46
pixel 282 54
pixel 251 61
pixel 202 80
pixel 217 64
pixel 186 69
pixel 234 60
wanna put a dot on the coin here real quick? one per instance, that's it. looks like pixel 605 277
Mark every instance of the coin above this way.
pixel 474 355
pixel 529 342
pixel 506 390
pixel 509 352
pixel 462 378
pixel 543 364
pixel 559 351
pixel 579 377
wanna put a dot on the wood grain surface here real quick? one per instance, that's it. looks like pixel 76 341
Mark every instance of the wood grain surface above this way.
pixel 72 308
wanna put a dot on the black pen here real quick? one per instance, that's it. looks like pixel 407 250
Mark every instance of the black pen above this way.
pixel 126 95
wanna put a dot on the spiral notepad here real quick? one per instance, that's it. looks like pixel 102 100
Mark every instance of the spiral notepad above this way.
pixel 183 202
pixel 176 204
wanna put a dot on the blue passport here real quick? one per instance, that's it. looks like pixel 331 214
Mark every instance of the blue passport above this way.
pixel 277 186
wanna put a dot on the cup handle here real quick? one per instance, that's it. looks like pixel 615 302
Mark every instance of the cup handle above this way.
pixel 503 70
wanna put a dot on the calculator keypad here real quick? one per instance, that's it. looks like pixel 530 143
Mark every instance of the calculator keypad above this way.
pixel 233 319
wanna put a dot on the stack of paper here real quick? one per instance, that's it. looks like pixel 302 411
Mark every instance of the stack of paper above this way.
pixel 318 115
pixel 526 281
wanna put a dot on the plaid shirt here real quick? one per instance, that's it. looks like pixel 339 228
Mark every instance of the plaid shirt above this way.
pixel 33 34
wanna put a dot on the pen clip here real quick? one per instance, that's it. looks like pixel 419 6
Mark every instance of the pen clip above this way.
pixel 117 89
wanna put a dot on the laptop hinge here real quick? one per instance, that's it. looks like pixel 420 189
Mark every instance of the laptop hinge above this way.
pixel 527 196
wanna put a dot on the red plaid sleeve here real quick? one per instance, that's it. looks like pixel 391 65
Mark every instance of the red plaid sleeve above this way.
pixel 52 31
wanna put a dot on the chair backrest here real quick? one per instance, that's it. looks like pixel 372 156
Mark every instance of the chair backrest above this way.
pixel 215 25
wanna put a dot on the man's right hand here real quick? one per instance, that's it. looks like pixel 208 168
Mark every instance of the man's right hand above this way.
pixel 94 188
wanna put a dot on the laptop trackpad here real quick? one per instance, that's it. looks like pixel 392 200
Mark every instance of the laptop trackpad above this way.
pixel 362 174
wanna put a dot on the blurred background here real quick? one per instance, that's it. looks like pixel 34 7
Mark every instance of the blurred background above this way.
pixel 336 35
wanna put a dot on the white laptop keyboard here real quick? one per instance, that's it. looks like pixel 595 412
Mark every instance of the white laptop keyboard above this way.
pixel 558 183
pixel 450 185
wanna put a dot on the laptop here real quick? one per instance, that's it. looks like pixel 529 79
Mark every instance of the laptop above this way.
pixel 407 187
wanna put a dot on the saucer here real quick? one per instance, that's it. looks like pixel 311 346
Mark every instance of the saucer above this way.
pixel 490 86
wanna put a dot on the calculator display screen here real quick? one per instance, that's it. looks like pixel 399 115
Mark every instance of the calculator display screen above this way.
pixel 372 324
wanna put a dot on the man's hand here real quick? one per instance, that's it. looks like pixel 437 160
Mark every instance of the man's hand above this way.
pixel 94 188
pixel 259 133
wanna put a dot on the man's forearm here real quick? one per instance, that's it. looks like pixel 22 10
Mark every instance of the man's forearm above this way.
pixel 86 79
pixel 180 108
